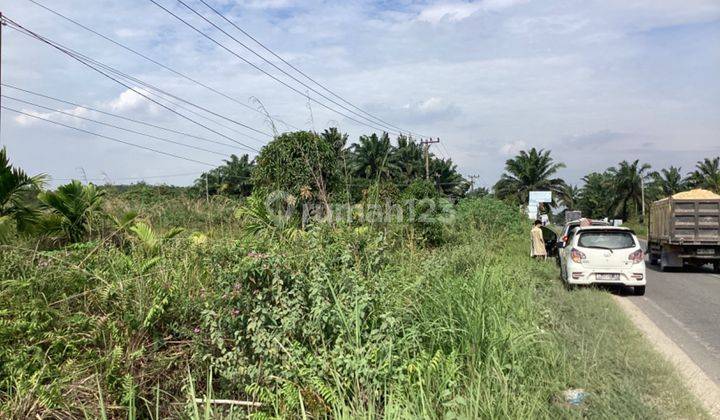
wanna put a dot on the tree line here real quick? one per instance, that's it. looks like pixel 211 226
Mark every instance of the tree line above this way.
pixel 322 168
pixel 616 192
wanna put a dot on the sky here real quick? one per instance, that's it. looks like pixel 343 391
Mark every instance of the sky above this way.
pixel 595 82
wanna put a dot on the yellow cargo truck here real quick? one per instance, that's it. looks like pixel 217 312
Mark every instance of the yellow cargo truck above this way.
pixel 684 229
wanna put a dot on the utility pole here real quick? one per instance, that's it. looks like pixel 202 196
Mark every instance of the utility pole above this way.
pixel 642 193
pixel 207 190
pixel 426 145
pixel 472 181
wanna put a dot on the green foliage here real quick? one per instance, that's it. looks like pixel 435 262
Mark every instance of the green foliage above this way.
pixel 706 175
pixel 529 171
pixel 232 178
pixel 296 162
pixel 71 209
pixel 16 190
pixel 666 183
pixel 627 181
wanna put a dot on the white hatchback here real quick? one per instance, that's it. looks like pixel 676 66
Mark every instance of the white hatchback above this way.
pixel 604 255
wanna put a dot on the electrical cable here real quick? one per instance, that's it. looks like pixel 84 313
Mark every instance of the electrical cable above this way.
pixel 106 137
pixel 244 32
pixel 154 61
pixel 170 130
pixel 262 70
pixel 114 126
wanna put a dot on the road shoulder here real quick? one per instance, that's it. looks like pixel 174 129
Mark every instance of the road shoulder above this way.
pixel 697 381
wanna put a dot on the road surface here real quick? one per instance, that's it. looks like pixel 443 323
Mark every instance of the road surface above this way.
pixel 685 305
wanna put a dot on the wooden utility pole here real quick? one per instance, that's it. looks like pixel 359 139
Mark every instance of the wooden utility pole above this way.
pixel 472 181
pixel 426 145
pixel 207 190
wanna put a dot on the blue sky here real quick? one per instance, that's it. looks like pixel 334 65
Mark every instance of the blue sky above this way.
pixel 594 81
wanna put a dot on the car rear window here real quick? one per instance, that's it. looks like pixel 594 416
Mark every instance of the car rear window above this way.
pixel 611 240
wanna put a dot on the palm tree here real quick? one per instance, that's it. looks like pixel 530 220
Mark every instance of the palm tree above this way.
pixel 447 179
pixel 569 196
pixel 233 178
pixel 16 189
pixel 628 181
pixel 409 157
pixel 529 171
pixel 71 208
pixel 596 195
pixel 667 182
pixel 706 175
pixel 372 157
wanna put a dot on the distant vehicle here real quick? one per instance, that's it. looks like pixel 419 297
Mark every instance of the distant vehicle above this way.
pixel 571 215
pixel 568 232
pixel 604 255
pixel 684 229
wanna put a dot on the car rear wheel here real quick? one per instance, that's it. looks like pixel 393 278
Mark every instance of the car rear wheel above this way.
pixel 638 290
pixel 716 267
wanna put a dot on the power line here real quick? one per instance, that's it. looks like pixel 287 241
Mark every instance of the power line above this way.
pixel 147 124
pixel 294 89
pixel 385 127
pixel 130 178
pixel 85 61
pixel 106 137
pixel 114 126
pixel 236 26
pixel 154 61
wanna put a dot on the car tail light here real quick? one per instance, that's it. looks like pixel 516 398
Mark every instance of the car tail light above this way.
pixel 637 256
pixel 577 256
pixel 637 276
pixel 565 239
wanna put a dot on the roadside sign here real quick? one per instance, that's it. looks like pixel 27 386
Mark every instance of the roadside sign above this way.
pixel 532 211
pixel 540 196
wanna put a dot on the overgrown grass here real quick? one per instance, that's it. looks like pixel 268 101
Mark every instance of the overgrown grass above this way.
pixel 346 321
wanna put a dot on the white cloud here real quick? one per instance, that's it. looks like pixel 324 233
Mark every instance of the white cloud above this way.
pixel 130 101
pixel 512 149
pixel 457 11
pixel 25 120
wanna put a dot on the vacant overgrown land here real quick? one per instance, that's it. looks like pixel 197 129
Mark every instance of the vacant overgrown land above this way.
pixel 192 302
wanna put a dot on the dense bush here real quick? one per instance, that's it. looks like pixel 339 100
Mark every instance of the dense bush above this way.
pixel 330 320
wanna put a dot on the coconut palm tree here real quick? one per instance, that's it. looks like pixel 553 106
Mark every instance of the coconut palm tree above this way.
pixel 529 171
pixel 667 182
pixel 706 175
pixel 628 179
pixel 71 208
pixel 16 190
pixel 372 157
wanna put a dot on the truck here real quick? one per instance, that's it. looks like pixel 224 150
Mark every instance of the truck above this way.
pixel 684 229
pixel 571 215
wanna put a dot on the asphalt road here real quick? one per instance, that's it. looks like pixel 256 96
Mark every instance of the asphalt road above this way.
pixel 685 305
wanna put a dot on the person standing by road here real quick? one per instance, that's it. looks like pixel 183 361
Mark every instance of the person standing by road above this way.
pixel 538 243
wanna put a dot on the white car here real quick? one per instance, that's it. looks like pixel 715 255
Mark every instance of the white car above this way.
pixel 604 255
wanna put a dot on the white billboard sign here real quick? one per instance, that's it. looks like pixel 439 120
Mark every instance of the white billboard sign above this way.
pixel 540 196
